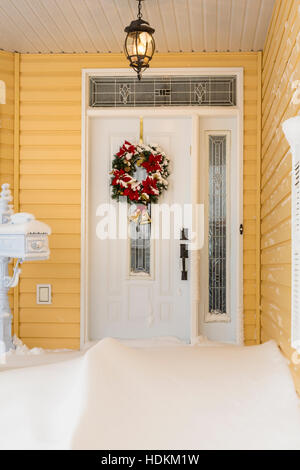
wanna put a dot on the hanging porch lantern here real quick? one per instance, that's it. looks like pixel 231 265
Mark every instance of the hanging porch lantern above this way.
pixel 139 43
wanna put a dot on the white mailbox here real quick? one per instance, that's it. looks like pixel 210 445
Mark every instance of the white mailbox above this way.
pixel 22 237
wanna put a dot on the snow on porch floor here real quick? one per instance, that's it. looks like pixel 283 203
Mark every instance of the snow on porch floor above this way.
pixel 22 356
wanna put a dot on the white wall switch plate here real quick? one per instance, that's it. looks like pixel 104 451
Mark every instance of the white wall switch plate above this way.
pixel 2 92
pixel 43 294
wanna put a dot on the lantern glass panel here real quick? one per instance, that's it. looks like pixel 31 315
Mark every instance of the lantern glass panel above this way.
pixel 139 45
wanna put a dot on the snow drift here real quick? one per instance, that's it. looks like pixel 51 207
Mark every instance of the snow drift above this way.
pixel 119 397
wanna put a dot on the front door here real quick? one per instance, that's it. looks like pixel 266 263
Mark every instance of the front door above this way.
pixel 136 289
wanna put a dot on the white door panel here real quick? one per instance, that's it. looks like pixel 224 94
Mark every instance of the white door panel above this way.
pixel 121 305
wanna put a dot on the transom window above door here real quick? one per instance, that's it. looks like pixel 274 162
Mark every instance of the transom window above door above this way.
pixel 171 90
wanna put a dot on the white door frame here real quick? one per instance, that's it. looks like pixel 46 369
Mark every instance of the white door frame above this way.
pixel 195 113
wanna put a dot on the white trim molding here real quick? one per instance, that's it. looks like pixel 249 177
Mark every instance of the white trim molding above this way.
pixel 291 129
pixel 195 113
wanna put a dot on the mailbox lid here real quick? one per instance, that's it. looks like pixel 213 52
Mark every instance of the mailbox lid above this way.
pixel 32 226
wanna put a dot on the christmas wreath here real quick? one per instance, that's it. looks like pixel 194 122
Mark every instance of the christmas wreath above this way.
pixel 139 172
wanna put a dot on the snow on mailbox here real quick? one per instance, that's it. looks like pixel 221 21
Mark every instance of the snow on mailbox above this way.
pixel 21 237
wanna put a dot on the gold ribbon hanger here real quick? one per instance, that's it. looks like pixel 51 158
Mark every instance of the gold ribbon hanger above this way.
pixel 141 130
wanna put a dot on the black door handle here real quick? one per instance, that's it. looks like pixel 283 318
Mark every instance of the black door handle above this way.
pixel 184 253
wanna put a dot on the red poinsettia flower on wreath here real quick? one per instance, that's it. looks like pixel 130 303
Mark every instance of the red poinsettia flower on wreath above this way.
pixel 117 176
pixel 127 147
pixel 120 175
pixel 150 186
pixel 152 164
pixel 133 195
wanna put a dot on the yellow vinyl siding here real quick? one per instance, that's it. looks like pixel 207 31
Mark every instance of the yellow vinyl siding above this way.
pixel 281 66
pixel 50 173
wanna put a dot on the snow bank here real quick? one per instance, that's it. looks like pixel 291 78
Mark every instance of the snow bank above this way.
pixel 20 349
pixel 187 398
pixel 120 397
pixel 22 356
pixel 39 405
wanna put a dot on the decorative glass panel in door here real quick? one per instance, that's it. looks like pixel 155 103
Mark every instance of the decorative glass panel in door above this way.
pixel 217 236
pixel 140 240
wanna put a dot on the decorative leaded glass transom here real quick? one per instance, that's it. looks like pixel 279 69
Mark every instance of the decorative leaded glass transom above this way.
pixel 118 92
pixel 217 224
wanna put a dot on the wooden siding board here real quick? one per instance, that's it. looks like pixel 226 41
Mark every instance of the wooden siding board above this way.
pixel 281 65
pixel 52 343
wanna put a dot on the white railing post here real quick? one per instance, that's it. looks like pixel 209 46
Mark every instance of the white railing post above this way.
pixel 291 129
pixel 5 312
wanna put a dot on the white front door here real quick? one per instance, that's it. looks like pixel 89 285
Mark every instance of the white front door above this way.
pixel 121 303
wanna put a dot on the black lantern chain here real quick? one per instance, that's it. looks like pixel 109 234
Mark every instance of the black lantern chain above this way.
pixel 139 44
pixel 140 10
